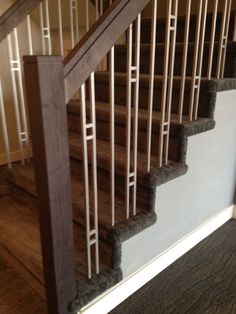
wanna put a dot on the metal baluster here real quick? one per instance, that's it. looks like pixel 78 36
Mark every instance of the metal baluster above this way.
pixel 185 58
pixel 29 33
pixel 74 22
pixel 18 93
pixel 198 57
pixel 60 27
pixel 223 39
pixel 195 79
pixel 132 78
pixel 45 27
pixel 112 130
pixel 112 133
pixel 128 117
pixel 151 83
pixel 200 60
pixel 94 165
pixel 4 127
pixel 92 234
pixel 170 43
pixel 101 7
pixel 212 42
pixel 97 9
pixel 136 107
pixel 234 33
pixel 87 14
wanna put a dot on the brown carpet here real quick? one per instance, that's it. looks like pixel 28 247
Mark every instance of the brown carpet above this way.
pixel 202 281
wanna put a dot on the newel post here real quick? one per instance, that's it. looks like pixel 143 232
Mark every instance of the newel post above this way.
pixel 48 122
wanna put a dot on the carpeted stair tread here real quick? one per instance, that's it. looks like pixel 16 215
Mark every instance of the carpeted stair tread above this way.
pixel 177 131
pixel 120 79
pixel 145 47
pixel 103 154
pixel 23 178
pixel 103 159
pixel 103 114
pixel 20 241
pixel 121 58
pixel 207 86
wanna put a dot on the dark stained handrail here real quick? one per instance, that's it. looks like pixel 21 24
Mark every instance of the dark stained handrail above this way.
pixel 15 15
pixel 94 46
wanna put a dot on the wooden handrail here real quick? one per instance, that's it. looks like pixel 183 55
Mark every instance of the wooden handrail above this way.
pixel 94 46
pixel 15 15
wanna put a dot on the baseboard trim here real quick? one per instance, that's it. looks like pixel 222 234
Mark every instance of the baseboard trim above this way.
pixel 114 296
pixel 15 156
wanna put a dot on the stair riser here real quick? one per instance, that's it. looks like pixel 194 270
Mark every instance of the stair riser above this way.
pixel 121 61
pixel 102 129
pixel 102 94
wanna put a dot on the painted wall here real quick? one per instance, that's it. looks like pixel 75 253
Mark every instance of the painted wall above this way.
pixel 37 46
pixel 5 4
pixel 185 203
pixel 6 80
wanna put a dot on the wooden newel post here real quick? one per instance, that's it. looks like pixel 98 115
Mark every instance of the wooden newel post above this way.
pixel 48 122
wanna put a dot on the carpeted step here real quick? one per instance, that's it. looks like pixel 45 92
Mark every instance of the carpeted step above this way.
pixel 102 92
pixel 103 155
pixel 161 28
pixel 23 189
pixel 230 71
pixel 146 180
pixel 103 126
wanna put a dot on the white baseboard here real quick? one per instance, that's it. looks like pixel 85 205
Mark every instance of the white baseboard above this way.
pixel 113 297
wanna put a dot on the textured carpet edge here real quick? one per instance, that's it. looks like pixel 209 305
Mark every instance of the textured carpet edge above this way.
pixel 87 290
pixel 225 84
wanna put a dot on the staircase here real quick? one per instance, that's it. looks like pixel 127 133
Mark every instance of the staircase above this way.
pixel 121 217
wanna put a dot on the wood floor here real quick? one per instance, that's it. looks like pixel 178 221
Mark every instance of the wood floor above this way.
pixel 16 296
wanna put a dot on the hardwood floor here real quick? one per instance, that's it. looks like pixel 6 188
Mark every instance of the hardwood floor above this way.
pixel 16 296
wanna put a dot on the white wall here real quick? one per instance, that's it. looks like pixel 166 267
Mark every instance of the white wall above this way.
pixel 37 46
pixel 6 81
pixel 184 204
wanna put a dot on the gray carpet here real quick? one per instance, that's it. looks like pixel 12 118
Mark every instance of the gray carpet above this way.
pixel 202 281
